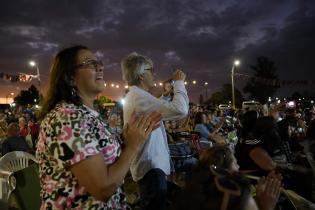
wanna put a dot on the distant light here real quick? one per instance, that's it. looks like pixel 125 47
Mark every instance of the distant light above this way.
pixel 122 101
pixel 35 100
pixel 126 86
pixel 206 83
pixel 185 83
pixel 284 99
pixel 237 62
pixel 32 63
pixel 105 84
pixel 117 86
pixel 230 102
pixel 36 106
pixel 312 101
pixel 112 85
pixel 299 99
pixel 277 98
pixel 12 94
pixel 161 84
pixel 194 82
pixel 279 101
pixel 269 99
pixel 303 98
pixel 155 84
pixel 13 104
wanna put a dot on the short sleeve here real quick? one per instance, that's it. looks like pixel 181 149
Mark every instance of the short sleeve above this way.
pixel 74 136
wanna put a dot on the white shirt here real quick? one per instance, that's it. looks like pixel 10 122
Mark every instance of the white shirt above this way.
pixel 155 153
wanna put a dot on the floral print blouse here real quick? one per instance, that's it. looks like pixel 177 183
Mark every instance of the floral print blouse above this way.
pixel 68 135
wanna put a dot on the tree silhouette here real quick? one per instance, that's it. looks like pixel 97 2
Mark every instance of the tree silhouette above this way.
pixel 225 95
pixel 264 69
pixel 25 97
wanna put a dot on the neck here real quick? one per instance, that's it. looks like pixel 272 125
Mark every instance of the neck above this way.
pixel 144 87
pixel 87 100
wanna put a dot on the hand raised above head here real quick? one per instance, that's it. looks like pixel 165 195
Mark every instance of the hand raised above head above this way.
pixel 138 128
pixel 179 75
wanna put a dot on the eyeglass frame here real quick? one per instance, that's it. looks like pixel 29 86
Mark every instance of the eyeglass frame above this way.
pixel 94 63
pixel 226 192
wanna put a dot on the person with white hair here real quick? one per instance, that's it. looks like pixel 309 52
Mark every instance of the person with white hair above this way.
pixel 150 167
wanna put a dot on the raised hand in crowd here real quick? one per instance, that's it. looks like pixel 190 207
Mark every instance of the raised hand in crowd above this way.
pixel 179 75
pixel 268 190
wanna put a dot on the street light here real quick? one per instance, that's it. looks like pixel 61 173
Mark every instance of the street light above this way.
pixel 33 64
pixel 206 90
pixel 236 63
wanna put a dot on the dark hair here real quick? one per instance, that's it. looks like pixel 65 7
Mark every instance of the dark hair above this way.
pixel 201 193
pixel 220 156
pixel 248 121
pixel 60 82
pixel 263 125
pixel 198 117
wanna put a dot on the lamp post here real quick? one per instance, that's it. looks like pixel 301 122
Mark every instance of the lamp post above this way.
pixel 33 64
pixel 236 63
pixel 206 90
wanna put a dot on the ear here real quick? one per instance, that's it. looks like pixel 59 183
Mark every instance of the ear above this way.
pixel 141 77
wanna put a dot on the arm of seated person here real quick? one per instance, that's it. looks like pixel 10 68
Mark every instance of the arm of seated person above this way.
pixel 262 159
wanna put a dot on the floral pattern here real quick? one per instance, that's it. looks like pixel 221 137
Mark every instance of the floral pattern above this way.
pixel 68 135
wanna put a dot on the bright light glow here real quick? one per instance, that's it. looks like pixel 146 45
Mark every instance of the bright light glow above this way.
pixel 237 62
pixel 284 99
pixel 117 86
pixel 112 85
pixel 36 106
pixel 105 84
pixel 122 101
pixel 312 101
pixel 299 99
pixel 126 86
pixel 269 99
pixel 230 102
pixel 279 101
pixel 185 83
pixel 12 94
pixel 277 98
pixel 35 100
pixel 155 84
pixel 32 63
pixel 194 82
pixel 206 83
pixel 13 104
pixel 161 84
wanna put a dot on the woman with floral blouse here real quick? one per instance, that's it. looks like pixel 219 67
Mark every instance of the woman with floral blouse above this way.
pixel 81 166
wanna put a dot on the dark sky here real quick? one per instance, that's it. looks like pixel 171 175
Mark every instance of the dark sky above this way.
pixel 202 37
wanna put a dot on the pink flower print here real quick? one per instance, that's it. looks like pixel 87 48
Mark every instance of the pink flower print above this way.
pixel 78 157
pixel 109 153
pixel 90 150
pixel 65 134
pixel 67 111
pixel 83 124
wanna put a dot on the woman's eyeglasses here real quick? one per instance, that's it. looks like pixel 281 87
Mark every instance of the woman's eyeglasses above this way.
pixel 225 184
pixel 92 64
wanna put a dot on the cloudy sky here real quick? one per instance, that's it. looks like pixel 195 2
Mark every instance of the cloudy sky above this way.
pixel 203 37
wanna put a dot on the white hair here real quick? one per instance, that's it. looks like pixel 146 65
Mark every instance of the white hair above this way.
pixel 134 65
